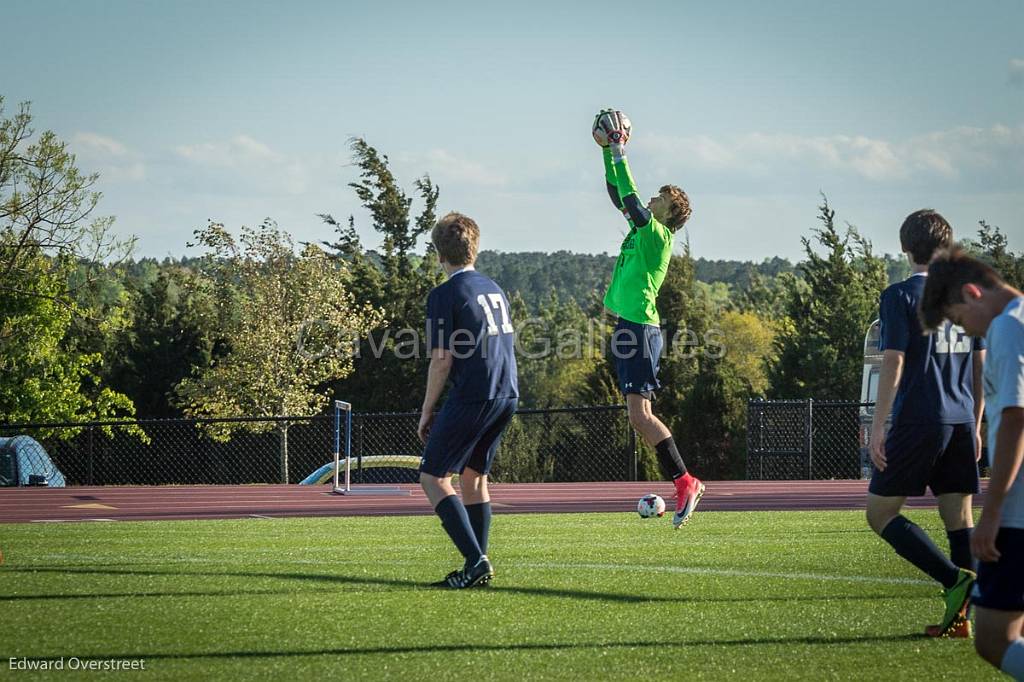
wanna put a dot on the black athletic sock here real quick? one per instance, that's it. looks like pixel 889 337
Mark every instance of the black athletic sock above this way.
pixel 480 519
pixel 669 461
pixel 456 524
pixel 960 548
pixel 914 545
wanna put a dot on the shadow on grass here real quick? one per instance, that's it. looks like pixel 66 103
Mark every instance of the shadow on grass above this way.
pixel 145 595
pixel 334 579
pixel 479 648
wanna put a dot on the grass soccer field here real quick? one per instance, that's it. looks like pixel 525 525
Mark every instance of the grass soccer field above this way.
pixel 755 595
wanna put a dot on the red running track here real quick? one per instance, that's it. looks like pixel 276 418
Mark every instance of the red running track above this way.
pixel 21 505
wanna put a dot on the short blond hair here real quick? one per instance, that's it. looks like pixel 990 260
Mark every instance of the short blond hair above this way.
pixel 457 239
pixel 680 207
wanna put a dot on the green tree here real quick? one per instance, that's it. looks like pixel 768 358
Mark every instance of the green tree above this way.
pixel 557 349
pixel 821 338
pixel 291 325
pixel 716 360
pixel 54 320
pixel 42 379
pixel 993 247
pixel 391 358
pixel 45 204
pixel 172 332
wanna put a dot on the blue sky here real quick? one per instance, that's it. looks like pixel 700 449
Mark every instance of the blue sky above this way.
pixel 238 111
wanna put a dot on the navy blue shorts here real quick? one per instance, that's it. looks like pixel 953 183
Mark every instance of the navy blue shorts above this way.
pixel 637 351
pixel 1000 585
pixel 920 456
pixel 466 435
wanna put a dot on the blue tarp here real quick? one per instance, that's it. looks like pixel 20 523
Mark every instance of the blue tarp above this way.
pixel 21 457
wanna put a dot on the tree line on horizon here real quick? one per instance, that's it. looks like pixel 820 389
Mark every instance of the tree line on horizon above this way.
pixel 261 326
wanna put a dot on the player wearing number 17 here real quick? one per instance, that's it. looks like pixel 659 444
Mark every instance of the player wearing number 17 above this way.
pixel 472 343
pixel 632 296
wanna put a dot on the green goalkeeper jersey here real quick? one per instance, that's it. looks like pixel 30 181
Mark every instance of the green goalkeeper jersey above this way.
pixel 645 253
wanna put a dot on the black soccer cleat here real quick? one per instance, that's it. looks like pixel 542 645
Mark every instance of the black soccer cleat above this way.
pixel 477 575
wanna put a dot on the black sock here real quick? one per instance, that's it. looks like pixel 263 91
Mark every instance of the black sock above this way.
pixel 456 524
pixel 480 519
pixel 960 548
pixel 669 461
pixel 914 545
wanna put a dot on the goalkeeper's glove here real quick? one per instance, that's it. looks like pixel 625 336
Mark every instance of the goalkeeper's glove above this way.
pixel 618 128
pixel 598 129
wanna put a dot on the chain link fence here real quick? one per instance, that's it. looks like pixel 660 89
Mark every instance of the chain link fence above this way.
pixel 556 445
pixel 807 439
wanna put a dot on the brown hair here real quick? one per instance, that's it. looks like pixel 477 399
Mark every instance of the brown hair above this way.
pixel 923 233
pixel 457 239
pixel 680 203
pixel 947 275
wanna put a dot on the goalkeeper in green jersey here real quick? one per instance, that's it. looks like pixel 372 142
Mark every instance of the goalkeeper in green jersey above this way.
pixel 639 272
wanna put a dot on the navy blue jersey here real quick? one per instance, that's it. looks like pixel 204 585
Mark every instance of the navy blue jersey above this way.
pixel 937 386
pixel 469 316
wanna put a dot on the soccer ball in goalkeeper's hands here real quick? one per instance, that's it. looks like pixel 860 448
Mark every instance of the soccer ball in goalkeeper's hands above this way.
pixel 650 506
pixel 609 124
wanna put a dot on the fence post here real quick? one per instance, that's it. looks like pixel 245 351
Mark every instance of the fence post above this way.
pixel 359 457
pixel 284 452
pixel 633 451
pixel 810 439
pixel 90 479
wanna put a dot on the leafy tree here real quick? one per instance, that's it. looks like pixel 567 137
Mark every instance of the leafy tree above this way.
pixel 41 378
pixel 45 203
pixel 53 327
pixel 290 323
pixel 768 297
pixel 821 344
pixel 557 349
pixel 715 361
pixel 993 247
pixel 392 357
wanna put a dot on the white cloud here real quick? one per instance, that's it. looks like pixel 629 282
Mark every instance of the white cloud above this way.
pixel 251 162
pixel 94 141
pixel 239 151
pixel 949 154
pixel 444 167
pixel 1016 76
pixel 114 161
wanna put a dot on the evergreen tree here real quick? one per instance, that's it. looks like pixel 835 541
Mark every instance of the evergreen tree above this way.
pixel 821 344
pixel 392 358
pixel 993 247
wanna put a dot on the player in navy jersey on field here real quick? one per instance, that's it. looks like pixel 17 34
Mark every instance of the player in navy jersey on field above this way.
pixel 472 344
pixel 931 386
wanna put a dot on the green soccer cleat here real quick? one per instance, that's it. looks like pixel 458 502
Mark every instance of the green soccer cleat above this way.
pixel 957 599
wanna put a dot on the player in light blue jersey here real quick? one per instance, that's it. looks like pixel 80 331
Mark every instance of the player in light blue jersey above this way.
pixel 971 294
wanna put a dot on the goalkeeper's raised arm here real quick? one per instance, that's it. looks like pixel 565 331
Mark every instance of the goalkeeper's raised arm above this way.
pixel 671 208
